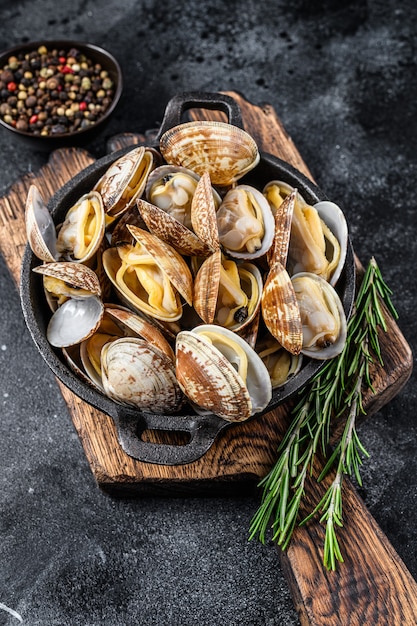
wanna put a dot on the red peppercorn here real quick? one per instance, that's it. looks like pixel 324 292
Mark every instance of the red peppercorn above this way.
pixel 66 69
pixel 11 86
pixel 83 106
pixel 33 119
pixel 62 60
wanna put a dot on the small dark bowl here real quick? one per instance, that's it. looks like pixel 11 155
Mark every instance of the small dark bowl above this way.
pixel 201 430
pixel 81 136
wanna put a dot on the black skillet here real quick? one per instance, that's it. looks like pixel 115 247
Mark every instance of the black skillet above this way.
pixel 201 431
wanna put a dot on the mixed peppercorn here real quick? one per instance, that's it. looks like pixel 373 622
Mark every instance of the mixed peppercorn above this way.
pixel 53 92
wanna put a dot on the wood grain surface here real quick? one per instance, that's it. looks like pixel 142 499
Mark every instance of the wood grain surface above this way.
pixel 373 586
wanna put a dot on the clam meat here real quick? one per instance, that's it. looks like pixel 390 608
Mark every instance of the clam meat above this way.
pixel 82 231
pixel 322 316
pixel 245 223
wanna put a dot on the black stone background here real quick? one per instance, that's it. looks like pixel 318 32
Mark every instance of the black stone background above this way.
pixel 342 78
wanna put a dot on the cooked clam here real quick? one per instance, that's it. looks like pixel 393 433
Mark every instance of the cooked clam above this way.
pixel 40 228
pixel 219 372
pixel 245 223
pixel 226 293
pixel 226 152
pixel 82 231
pixel 149 276
pixel 125 180
pixel 319 235
pixel 140 283
pixel 67 279
pixel 322 316
pixel 137 374
pixel 281 364
pixel 171 188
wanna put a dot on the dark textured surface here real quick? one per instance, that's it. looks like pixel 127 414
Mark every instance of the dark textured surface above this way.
pixel 341 76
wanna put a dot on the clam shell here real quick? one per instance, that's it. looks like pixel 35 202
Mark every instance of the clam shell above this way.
pixel 81 233
pixel 168 260
pixel 206 287
pixel 278 252
pixel 210 380
pixel 280 309
pixel 137 374
pixel 170 230
pixel 242 234
pixel 142 328
pixel 112 263
pixel 322 305
pixel 171 188
pixel 334 218
pixel 74 321
pixel 225 151
pixel 40 228
pixel 75 279
pixel 203 213
pixel 125 180
pixel 226 293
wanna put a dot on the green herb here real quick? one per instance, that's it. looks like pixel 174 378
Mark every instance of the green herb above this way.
pixel 335 392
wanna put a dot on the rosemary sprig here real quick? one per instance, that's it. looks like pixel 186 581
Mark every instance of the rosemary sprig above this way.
pixel 336 391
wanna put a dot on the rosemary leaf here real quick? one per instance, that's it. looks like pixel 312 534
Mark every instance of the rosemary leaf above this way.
pixel 335 392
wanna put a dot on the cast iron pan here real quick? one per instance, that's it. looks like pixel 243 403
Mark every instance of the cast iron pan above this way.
pixel 200 430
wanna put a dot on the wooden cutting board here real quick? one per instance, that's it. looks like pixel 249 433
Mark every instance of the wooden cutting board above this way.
pixel 373 586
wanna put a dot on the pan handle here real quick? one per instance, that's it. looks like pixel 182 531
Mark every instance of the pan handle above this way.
pixel 203 100
pixel 201 430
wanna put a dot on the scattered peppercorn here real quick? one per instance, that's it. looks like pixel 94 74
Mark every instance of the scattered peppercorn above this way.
pixel 52 92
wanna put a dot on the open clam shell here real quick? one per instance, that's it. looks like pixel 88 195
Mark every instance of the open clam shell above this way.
pixel 323 319
pixel 245 223
pixel 74 321
pixel 227 293
pixel 67 279
pixel 219 372
pixel 40 227
pixel 81 233
pixel 171 188
pixel 319 233
pixel 149 276
pixel 125 180
pixel 225 151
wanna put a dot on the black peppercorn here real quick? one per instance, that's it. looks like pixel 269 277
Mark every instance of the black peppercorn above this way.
pixel 39 90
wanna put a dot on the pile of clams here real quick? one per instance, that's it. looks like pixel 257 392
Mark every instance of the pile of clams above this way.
pixel 173 285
